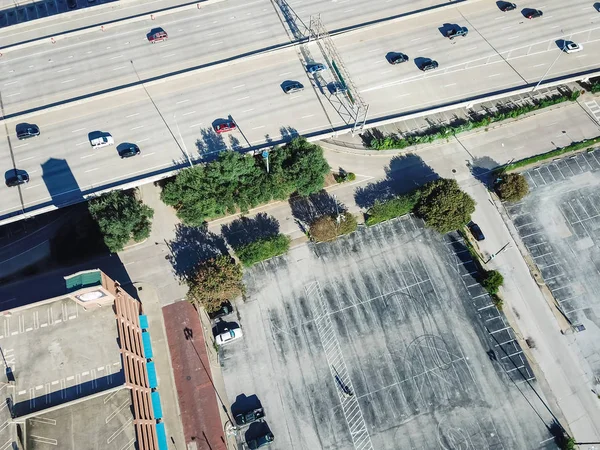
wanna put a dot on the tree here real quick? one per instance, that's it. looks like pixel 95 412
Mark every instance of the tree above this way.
pixel 492 280
pixel 444 206
pixel 512 187
pixel 121 217
pixel 327 228
pixel 262 249
pixel 305 166
pixel 215 281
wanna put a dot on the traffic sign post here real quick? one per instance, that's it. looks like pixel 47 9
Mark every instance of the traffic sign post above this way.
pixel 265 155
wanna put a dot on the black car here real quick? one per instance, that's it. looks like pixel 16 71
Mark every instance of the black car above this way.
pixel 508 7
pixel 398 58
pixel 475 231
pixel 17 179
pixel 293 87
pixel 429 65
pixel 249 416
pixel 534 13
pixel 261 441
pixel 27 131
pixel 72 4
pixel 129 151
pixel 224 310
pixel 455 32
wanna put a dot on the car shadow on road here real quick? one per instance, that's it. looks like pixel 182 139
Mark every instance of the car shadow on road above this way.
pixel 245 230
pixel 191 246
pixel 404 174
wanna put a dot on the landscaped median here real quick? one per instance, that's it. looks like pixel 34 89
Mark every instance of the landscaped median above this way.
pixel 395 141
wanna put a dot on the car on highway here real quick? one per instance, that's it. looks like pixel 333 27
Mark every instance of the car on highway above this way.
pixel 534 14
pixel 429 65
pixel 261 441
pixel 27 131
pixel 102 141
pixel 456 32
pixel 397 58
pixel 224 127
pixel 293 87
pixel 229 336
pixel 475 231
pixel 572 47
pixel 128 151
pixel 248 417
pixel 316 67
pixel 17 179
pixel 157 35
pixel 224 310
pixel 506 6
pixel 337 88
pixel 72 4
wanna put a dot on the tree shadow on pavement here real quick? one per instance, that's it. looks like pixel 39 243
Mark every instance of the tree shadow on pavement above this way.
pixel 482 170
pixel 210 143
pixel 307 209
pixel 191 246
pixel 404 174
pixel 246 230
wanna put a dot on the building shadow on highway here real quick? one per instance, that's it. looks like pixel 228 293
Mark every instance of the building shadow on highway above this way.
pixel 246 230
pixel 191 246
pixel 21 12
pixel 404 174
pixel 60 182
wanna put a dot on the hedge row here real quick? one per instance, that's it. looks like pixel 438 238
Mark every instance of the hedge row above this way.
pixel 551 154
pixel 327 228
pixel 394 141
pixel 390 209
pixel 263 249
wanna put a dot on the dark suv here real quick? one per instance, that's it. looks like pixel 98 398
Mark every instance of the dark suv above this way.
pixel 429 65
pixel 249 416
pixel 261 441
pixel 534 14
pixel 16 179
pixel 223 311
pixel 397 58
pixel 455 32
pixel 129 151
pixel 27 131
pixel 505 7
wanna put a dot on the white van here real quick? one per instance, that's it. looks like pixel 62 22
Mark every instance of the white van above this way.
pixel 102 141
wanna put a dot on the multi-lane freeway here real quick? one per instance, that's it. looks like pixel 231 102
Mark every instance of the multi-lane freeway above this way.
pixel 241 54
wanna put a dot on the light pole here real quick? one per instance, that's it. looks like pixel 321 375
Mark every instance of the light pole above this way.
pixel 562 50
pixel 182 141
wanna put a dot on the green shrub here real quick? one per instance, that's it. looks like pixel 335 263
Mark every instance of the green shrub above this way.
pixel 492 280
pixel 595 87
pixel 498 302
pixel 396 207
pixel 394 141
pixel 342 177
pixel 327 228
pixel 263 249
pixel 444 206
pixel 512 187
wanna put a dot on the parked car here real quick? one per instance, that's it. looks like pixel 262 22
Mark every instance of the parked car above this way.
pixel 534 13
pixel 455 32
pixel 17 179
pixel 429 65
pixel 508 7
pixel 157 36
pixel 225 127
pixel 223 311
pixel 261 441
pixel 572 47
pixel 249 416
pixel 293 87
pixel 129 151
pixel 476 231
pixel 397 58
pixel 316 67
pixel 229 336
pixel 27 131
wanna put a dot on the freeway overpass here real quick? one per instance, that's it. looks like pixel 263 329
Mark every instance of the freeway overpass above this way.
pixel 229 58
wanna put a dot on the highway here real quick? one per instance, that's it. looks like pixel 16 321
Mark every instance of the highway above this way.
pixel 174 116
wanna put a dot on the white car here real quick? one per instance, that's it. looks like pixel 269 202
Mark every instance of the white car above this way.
pixel 229 336
pixel 572 47
pixel 102 141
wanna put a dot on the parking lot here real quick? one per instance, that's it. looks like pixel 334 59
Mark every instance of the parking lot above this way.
pixel 559 223
pixel 381 340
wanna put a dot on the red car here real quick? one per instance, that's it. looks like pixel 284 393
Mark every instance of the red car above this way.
pixel 158 36
pixel 224 127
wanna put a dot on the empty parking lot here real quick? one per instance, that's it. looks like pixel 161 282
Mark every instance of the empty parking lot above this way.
pixel 393 314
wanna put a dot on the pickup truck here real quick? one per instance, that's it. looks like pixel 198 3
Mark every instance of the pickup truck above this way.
pixel 102 141
pixel 455 32
pixel 249 416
